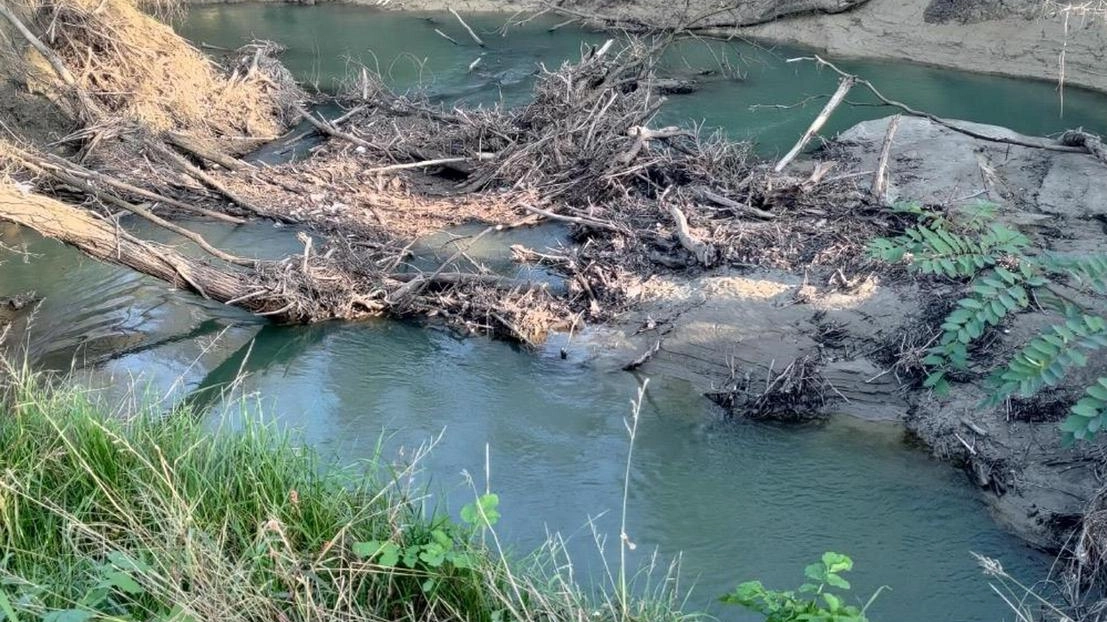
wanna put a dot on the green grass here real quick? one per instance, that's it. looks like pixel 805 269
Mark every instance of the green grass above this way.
pixel 153 516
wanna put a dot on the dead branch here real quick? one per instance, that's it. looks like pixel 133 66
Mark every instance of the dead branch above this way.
pixel 331 130
pixel 193 171
pixel 61 175
pixel 704 253
pixel 205 152
pixel 1033 144
pixel 586 222
pixel 446 36
pixel 467 28
pixel 1091 143
pixel 880 178
pixel 90 109
pixel 643 135
pixel 103 241
pixel 411 165
pixel 844 85
pixel 53 162
pixel 737 207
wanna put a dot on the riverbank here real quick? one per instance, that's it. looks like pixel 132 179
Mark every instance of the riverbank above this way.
pixel 153 514
pixel 860 335
pixel 766 267
pixel 1024 39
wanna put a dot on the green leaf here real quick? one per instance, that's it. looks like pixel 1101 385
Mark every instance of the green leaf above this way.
pixel 7 609
pixel 370 548
pixel 386 554
pixel 815 572
pixel 832 602
pixel 123 581
pixel 484 512
pixel 837 562
pixel 837 581
pixel 68 615
pixel 1098 390
pixel 389 556
pixel 433 555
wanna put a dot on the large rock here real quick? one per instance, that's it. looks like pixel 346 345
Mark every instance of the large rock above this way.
pixel 933 164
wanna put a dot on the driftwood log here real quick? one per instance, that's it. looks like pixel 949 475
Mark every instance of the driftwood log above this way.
pixel 104 241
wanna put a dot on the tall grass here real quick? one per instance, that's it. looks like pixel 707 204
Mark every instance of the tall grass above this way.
pixel 153 516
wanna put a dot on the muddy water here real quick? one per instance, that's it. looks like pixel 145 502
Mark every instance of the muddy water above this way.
pixel 735 499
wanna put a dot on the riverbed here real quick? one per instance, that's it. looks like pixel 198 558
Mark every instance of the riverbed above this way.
pixel 734 499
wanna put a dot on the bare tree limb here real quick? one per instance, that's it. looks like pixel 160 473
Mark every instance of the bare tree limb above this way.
pixel 880 178
pixel 843 88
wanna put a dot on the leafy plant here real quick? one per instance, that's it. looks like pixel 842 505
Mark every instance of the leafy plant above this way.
pixel 812 602
pixel 993 296
pixel 484 512
pixel 437 550
pixel 1004 279
pixel 944 247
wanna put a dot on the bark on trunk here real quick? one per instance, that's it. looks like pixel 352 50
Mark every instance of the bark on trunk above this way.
pixel 101 240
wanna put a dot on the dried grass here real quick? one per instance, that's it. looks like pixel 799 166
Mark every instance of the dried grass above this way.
pixel 141 72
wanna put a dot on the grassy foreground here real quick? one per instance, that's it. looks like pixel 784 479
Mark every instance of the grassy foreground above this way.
pixel 153 516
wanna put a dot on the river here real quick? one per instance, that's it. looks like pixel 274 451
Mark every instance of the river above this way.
pixel 735 499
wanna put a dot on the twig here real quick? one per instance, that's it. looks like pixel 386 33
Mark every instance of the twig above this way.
pixel 587 222
pixel 330 130
pixel 971 449
pixel 218 186
pixel 1049 146
pixel 1092 144
pixel 410 165
pixel 198 149
pixel 91 110
pixel 703 252
pixel 741 208
pixel 446 37
pixel 467 28
pixel 972 426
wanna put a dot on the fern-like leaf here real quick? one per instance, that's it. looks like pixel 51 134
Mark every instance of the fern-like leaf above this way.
pixel 1089 415
pixel 934 249
pixel 1088 271
pixel 994 296
pixel 1046 359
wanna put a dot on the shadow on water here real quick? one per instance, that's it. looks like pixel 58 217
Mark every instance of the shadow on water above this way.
pixel 272 347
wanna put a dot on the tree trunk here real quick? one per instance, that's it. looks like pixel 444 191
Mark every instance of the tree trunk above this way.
pixel 102 241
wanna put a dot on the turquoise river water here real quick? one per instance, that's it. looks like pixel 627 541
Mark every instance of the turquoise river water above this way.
pixel 734 499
